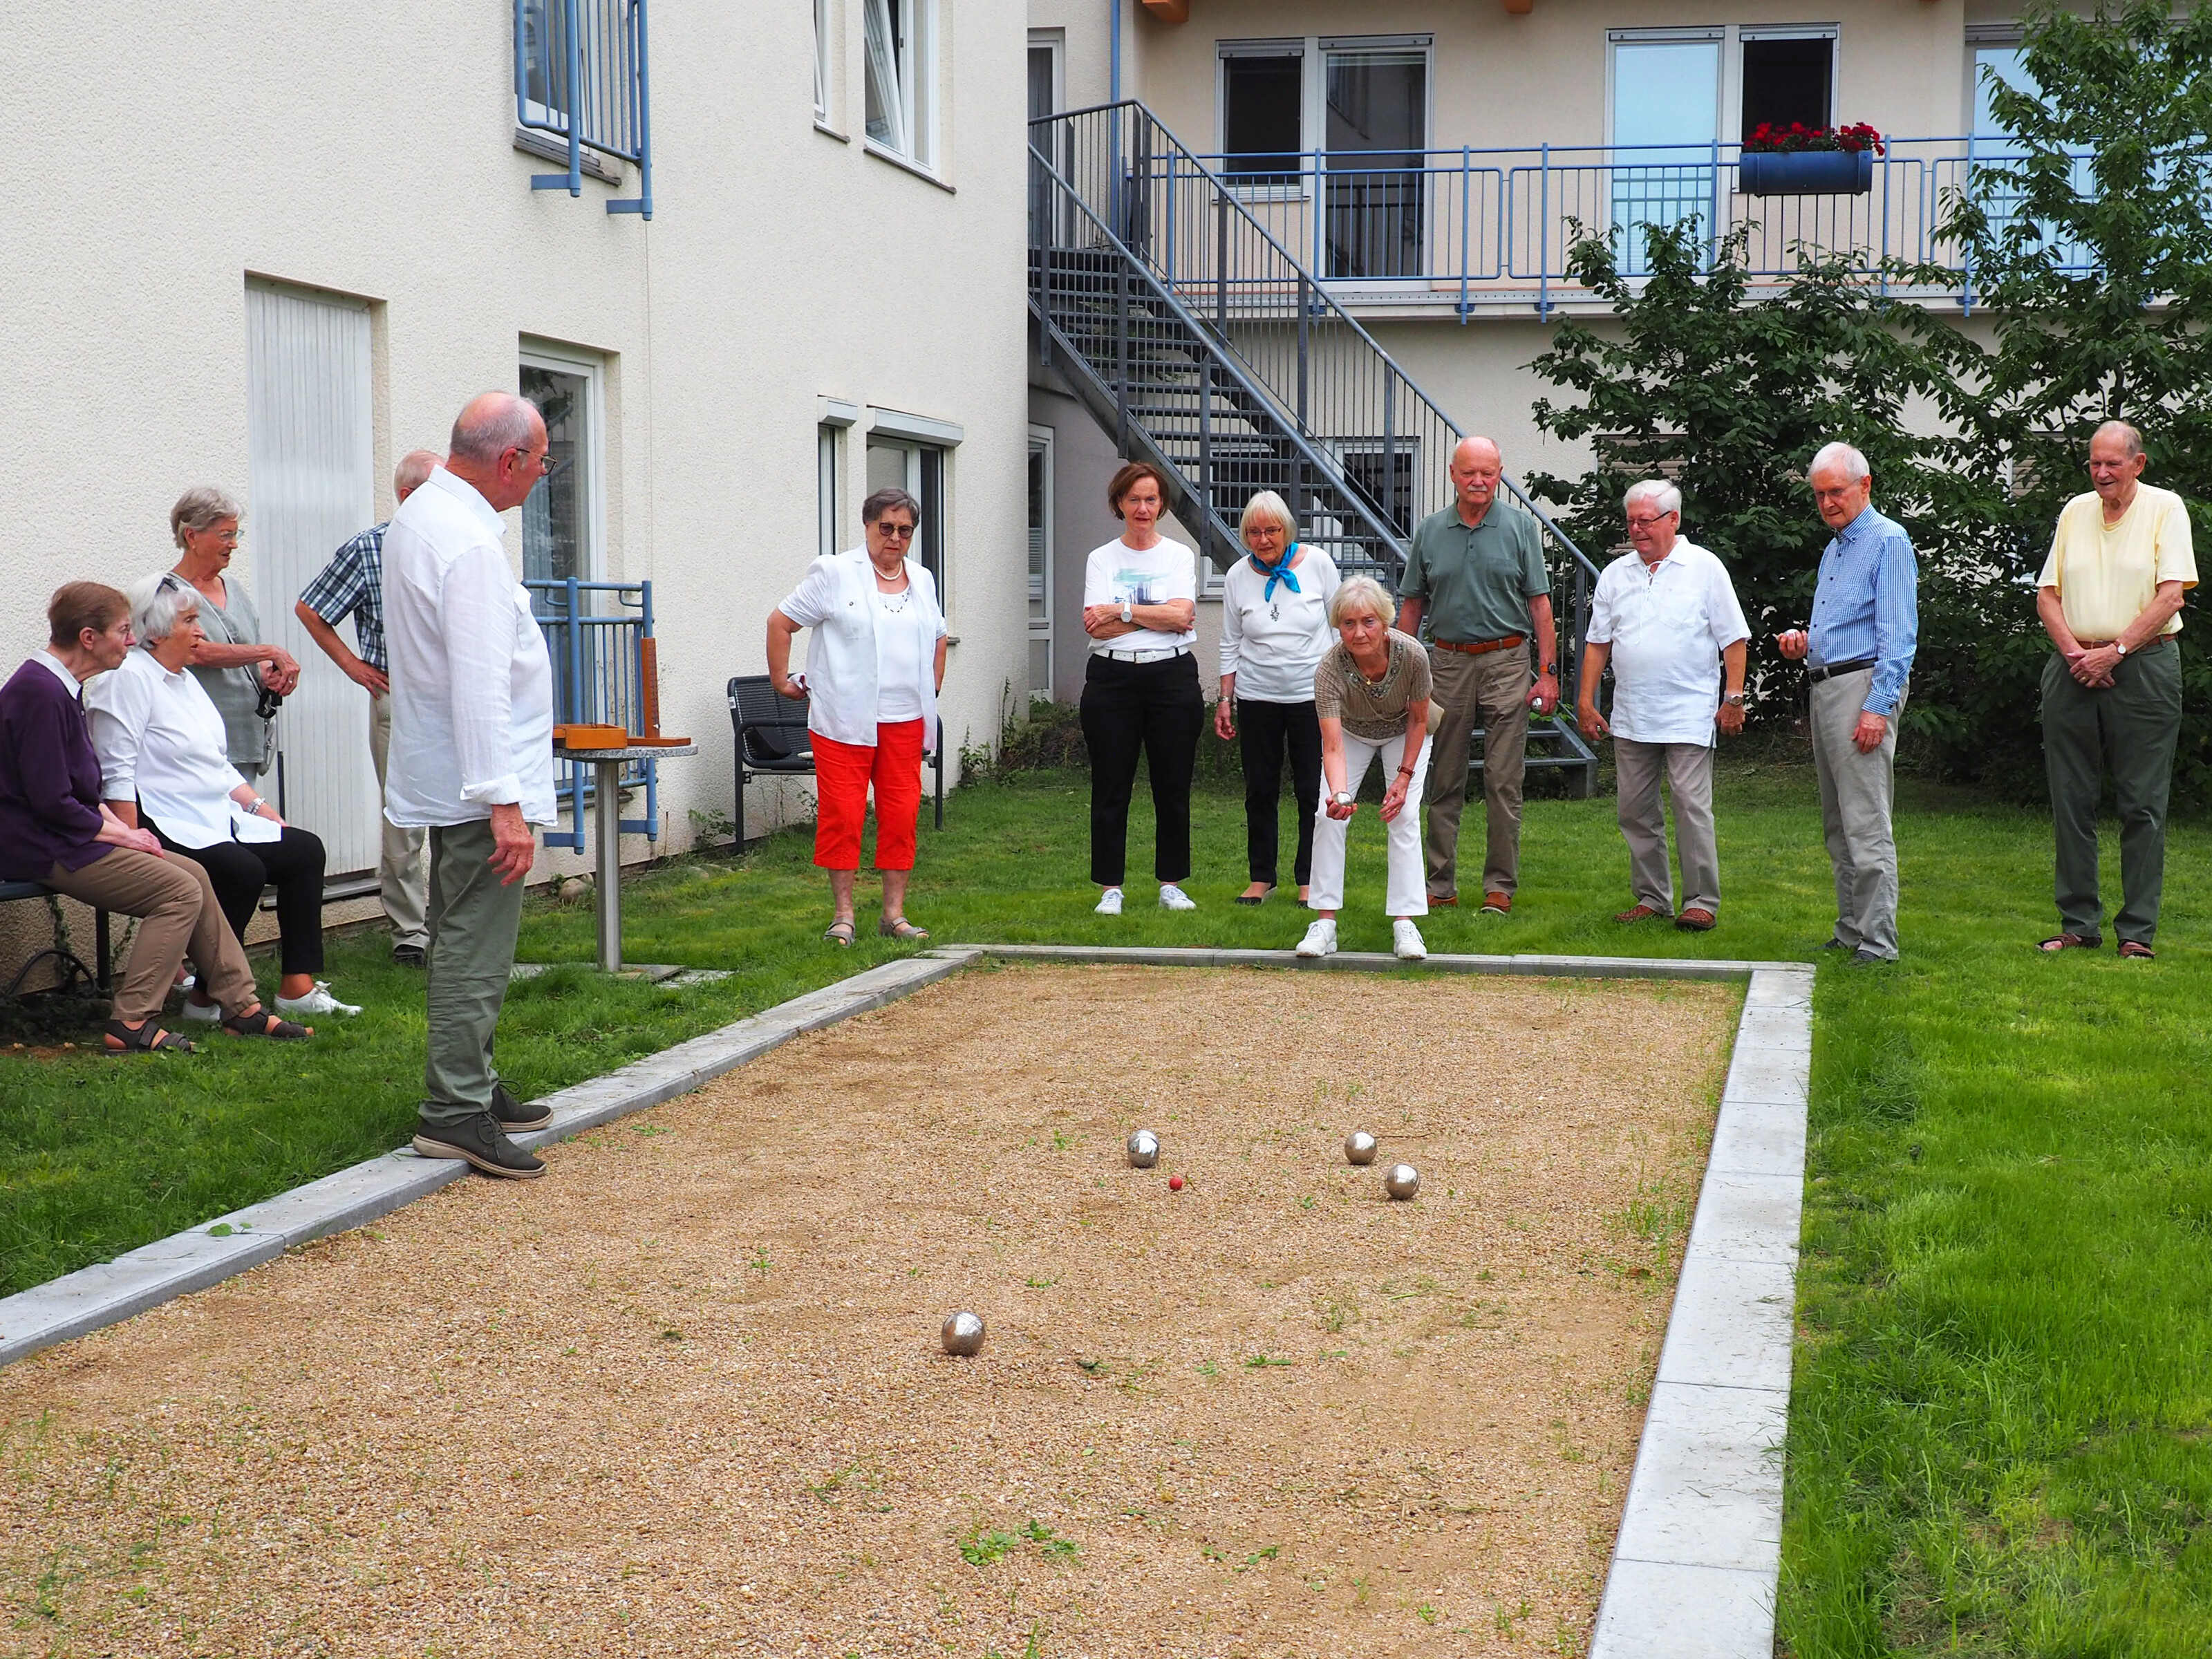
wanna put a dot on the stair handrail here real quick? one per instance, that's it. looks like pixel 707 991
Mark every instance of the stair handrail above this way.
pixel 1261 395
pixel 1326 302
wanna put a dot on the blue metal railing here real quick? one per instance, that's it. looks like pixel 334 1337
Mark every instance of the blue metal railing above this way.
pixel 581 74
pixel 1471 228
pixel 598 679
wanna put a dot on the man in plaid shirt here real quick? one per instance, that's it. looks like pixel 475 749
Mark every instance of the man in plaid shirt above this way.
pixel 352 584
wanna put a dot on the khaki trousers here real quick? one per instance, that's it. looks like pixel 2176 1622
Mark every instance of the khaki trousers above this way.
pixel 1688 769
pixel 473 924
pixel 401 866
pixel 1856 790
pixel 1490 691
pixel 177 913
pixel 2128 728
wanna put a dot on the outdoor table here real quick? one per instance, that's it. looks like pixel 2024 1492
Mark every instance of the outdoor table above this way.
pixel 606 766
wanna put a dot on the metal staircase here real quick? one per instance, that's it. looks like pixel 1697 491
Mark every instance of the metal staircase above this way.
pixel 1195 338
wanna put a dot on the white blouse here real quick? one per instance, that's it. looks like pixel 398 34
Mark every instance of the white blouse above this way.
pixel 160 742
pixel 1273 644
pixel 848 694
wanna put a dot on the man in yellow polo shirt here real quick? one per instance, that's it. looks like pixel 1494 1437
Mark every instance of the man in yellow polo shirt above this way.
pixel 2109 597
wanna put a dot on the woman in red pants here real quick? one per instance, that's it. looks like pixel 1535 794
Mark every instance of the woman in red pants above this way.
pixel 872 672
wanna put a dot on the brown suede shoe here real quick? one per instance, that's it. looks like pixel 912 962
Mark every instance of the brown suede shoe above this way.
pixel 1497 904
pixel 1640 913
pixel 1446 901
pixel 1695 920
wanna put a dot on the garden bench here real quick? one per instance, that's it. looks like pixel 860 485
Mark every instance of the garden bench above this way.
pixel 31 889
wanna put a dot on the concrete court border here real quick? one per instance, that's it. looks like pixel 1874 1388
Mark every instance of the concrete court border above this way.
pixel 1697 1559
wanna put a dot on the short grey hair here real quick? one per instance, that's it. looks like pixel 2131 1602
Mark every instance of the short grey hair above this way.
pixel 159 603
pixel 2126 433
pixel 1267 504
pixel 491 424
pixel 1361 594
pixel 890 499
pixel 1662 496
pixel 1840 453
pixel 414 471
pixel 201 507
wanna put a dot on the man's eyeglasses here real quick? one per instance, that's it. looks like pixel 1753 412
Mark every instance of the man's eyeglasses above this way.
pixel 895 532
pixel 1647 520
pixel 543 462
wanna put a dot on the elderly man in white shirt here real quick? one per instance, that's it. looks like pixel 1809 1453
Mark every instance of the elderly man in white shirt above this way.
pixel 471 760
pixel 1666 617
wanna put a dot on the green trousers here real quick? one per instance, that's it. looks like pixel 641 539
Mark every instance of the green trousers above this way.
pixel 2129 729
pixel 474 922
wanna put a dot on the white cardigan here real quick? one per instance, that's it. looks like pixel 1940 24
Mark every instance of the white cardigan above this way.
pixel 837 598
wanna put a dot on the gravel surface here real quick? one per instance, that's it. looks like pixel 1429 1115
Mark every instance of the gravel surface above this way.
pixel 685 1396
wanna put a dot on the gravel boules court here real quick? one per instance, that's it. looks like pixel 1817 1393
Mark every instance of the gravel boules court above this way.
pixel 689 1395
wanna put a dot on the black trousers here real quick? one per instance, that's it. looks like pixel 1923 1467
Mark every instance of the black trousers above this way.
pixel 1264 730
pixel 1158 710
pixel 238 869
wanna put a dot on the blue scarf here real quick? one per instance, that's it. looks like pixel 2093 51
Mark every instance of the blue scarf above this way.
pixel 1278 572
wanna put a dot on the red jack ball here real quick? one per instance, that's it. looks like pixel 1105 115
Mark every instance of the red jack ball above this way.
pixel 1175 1183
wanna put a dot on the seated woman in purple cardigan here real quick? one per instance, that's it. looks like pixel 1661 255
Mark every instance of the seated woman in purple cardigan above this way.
pixel 54 829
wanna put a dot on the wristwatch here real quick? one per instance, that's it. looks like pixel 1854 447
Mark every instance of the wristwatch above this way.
pixel 1128 612
pixel 2120 646
pixel 1733 696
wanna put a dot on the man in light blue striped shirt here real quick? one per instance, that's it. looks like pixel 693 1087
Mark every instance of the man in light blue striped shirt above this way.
pixel 1859 655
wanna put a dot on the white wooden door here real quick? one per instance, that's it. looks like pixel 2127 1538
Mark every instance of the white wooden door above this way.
pixel 312 487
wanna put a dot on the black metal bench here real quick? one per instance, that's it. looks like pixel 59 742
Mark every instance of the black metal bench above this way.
pixel 31 889
pixel 773 741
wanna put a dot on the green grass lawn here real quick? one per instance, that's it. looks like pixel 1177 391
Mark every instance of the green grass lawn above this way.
pixel 2000 1440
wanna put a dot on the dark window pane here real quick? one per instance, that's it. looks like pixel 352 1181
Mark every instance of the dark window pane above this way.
pixel 1260 133
pixel 1786 81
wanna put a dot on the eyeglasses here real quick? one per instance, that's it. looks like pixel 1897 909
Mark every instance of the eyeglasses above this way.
pixel 894 532
pixel 544 461
pixel 1647 520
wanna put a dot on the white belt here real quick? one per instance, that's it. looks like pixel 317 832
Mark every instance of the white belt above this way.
pixel 1158 653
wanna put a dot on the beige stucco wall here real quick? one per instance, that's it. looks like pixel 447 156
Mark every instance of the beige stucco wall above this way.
pixel 369 151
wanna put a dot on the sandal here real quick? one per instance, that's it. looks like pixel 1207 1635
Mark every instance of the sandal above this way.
pixel 149 1038
pixel 258 1021
pixel 2141 951
pixel 900 927
pixel 2074 942
pixel 838 933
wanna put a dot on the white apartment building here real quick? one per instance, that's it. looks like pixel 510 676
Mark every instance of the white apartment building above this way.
pixel 1426 165
pixel 272 247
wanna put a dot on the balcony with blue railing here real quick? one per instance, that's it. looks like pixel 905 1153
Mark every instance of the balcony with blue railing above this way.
pixel 1471 233
pixel 581 74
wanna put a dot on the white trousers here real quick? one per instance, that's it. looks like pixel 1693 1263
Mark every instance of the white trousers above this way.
pixel 1408 893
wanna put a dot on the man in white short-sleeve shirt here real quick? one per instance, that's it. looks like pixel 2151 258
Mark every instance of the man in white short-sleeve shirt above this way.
pixel 1666 617
pixel 471 761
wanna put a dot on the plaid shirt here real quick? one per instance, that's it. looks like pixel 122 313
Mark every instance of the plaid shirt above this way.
pixel 352 584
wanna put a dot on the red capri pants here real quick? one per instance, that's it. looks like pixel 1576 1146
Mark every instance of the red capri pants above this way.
pixel 842 772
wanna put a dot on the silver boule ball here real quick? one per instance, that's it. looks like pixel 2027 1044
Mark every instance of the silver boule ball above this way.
pixel 963 1333
pixel 1359 1147
pixel 1403 1181
pixel 1144 1150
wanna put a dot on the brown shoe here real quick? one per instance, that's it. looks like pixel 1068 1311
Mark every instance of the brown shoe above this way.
pixel 1497 904
pixel 1640 913
pixel 1695 921
pixel 1444 901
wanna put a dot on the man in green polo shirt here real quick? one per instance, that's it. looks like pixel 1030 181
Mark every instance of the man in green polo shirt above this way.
pixel 1476 573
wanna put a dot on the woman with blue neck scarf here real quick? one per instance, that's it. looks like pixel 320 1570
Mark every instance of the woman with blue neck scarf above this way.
pixel 1274 627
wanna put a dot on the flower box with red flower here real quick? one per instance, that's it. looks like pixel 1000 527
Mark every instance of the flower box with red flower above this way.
pixel 1801 161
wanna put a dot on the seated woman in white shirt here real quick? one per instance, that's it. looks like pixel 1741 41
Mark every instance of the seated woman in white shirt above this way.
pixel 164 767
pixel 873 670
pixel 1274 627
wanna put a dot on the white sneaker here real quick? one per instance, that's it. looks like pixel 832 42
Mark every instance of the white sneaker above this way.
pixel 209 1012
pixel 317 1001
pixel 1406 940
pixel 1172 897
pixel 1319 939
pixel 1109 902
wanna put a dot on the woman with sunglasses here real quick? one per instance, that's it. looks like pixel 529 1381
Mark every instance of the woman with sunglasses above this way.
pixel 1274 627
pixel 873 670
pixel 245 677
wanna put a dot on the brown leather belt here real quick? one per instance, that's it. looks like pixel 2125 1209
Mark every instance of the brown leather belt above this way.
pixel 2098 645
pixel 1482 648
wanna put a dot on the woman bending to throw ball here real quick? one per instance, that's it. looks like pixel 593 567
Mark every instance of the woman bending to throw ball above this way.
pixel 1372 693
pixel 1141 693
pixel 872 675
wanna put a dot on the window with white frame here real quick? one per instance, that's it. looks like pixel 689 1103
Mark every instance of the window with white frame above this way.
pixel 563 521
pixel 1788 76
pixel 1040 582
pixel 902 77
pixel 1262 111
pixel 821 60
pixel 895 463
pixel 825 488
